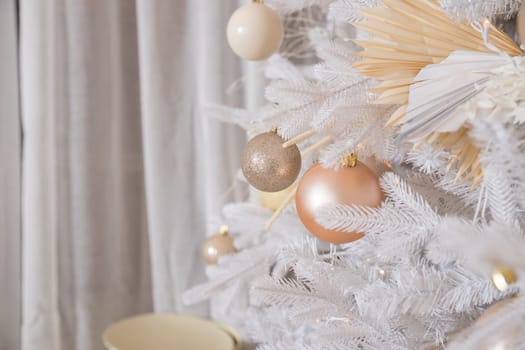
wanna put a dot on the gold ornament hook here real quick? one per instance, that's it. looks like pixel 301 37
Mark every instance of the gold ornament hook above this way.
pixel 223 230
pixel 349 161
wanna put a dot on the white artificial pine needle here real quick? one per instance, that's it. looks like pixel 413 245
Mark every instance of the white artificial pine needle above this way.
pixel 421 277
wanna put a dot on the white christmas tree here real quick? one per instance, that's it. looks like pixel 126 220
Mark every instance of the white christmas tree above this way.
pixel 441 263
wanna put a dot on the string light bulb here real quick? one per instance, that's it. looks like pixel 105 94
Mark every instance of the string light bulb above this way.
pixel 503 277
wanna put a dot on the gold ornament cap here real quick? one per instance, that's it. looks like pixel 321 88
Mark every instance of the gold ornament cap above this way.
pixel 348 161
pixel 224 230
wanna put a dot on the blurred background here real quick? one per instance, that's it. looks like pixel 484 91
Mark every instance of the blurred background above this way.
pixel 111 174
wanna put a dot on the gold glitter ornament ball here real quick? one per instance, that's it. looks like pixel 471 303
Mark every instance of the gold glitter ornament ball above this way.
pixel 268 166
pixel 218 245
pixel 353 184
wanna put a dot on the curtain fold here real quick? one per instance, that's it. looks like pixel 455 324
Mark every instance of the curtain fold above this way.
pixel 10 154
pixel 122 172
pixel 190 161
pixel 85 244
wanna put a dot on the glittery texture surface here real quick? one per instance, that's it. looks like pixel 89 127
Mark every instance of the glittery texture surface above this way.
pixel 267 165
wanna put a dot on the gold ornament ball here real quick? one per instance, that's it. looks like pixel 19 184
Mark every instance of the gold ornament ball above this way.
pixel 521 23
pixel 218 245
pixel 268 166
pixel 354 183
pixel 255 31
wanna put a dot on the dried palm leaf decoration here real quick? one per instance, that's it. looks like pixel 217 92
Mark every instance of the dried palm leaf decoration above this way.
pixel 405 36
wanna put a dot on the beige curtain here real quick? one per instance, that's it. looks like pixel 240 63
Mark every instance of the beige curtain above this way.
pixel 122 176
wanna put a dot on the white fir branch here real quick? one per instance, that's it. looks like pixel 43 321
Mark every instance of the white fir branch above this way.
pixel 203 292
pixel 331 155
pixel 366 219
pixel 488 245
pixel 504 326
pixel 352 335
pixel 340 98
pixel 501 198
pixel 402 245
pixel 504 169
pixel 429 160
pixel 337 58
pixel 280 68
pixel 459 187
pixel 406 199
pixel 477 10
pixel 423 270
pixel 470 295
pixel 348 10
pixel 295 95
pixel 285 292
pixel 443 201
pixel 290 6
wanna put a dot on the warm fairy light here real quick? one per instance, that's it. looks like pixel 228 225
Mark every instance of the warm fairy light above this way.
pixel 381 272
pixel 503 277
pixel 388 165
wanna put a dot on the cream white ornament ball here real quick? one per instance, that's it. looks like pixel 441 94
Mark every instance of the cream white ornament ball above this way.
pixel 255 31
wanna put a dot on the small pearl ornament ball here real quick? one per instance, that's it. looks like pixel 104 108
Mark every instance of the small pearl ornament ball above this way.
pixel 255 31
pixel 353 184
pixel 218 245
pixel 267 165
